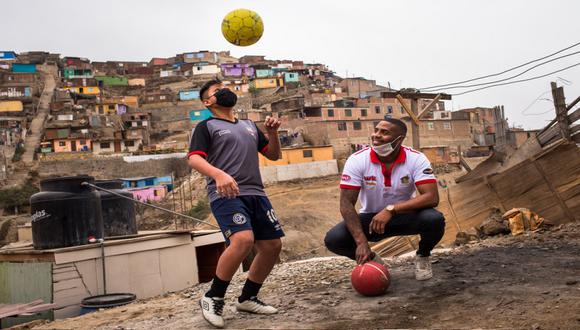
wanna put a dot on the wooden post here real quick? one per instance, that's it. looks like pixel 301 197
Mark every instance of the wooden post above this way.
pixel 415 121
pixel 416 142
pixel 428 106
pixel 561 110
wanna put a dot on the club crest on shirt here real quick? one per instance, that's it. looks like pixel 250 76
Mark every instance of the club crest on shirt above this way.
pixel 251 131
pixel 428 171
pixel 405 179
pixel 345 177
pixel 239 219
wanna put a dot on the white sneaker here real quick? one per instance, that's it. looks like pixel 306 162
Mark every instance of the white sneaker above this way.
pixel 423 270
pixel 212 309
pixel 255 305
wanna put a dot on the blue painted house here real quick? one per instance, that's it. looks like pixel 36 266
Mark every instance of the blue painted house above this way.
pixel 202 114
pixel 263 73
pixel 164 181
pixel 7 55
pixel 23 68
pixel 189 95
pixel 138 182
pixel 291 77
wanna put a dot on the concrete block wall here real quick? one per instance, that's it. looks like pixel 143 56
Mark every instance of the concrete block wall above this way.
pixel 273 174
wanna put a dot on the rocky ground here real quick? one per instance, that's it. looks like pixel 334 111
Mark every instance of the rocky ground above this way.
pixel 529 281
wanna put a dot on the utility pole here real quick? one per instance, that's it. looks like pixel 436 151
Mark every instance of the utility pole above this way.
pixel 561 110
pixel 413 111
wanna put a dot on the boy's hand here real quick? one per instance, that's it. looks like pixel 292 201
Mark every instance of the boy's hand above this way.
pixel 226 185
pixel 272 124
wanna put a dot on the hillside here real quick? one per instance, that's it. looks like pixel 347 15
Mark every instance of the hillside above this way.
pixel 523 282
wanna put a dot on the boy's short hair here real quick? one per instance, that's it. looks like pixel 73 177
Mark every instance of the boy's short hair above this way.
pixel 206 86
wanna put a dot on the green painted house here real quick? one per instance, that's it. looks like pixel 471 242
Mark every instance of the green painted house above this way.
pixel 77 73
pixel 113 80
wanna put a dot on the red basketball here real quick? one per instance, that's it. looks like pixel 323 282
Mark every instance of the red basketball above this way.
pixel 370 279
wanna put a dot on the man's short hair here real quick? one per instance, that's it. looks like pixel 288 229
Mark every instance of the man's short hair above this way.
pixel 397 122
pixel 206 86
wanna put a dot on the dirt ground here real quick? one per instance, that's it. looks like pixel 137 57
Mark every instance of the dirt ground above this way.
pixel 530 281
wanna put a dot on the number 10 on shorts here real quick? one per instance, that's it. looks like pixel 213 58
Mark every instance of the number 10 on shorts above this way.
pixel 272 216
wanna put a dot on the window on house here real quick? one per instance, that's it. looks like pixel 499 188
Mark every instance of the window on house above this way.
pixel 444 115
pixel 342 126
pixel 348 112
pixel 356 125
pixel 389 109
pixel 105 145
pixel 446 125
pixel 330 112
pixel 150 98
pixel 307 153
pixel 430 125
pixel 61 143
pixel 83 142
pixel 363 112
pixel 377 109
pixel 162 97
pixel 129 143
pixel 111 107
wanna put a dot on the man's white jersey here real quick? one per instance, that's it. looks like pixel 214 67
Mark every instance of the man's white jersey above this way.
pixel 380 186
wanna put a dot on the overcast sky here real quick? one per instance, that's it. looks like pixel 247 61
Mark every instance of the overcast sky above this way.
pixel 407 43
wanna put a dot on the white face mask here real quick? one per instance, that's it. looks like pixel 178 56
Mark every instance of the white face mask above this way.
pixel 386 149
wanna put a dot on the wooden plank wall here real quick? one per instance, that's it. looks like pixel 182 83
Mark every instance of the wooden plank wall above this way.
pixel 548 184
pixel 23 282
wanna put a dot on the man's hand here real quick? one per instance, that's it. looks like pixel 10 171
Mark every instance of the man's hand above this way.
pixel 272 124
pixel 226 185
pixel 363 253
pixel 379 222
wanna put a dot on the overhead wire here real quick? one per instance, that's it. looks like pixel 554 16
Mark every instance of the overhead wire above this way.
pixel 502 72
pixel 508 78
pixel 516 81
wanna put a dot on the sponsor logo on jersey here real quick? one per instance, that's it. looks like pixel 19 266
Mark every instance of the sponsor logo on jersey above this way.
pixel 224 132
pixel 370 180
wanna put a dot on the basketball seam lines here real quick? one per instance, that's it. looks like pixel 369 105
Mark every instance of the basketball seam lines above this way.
pixel 377 268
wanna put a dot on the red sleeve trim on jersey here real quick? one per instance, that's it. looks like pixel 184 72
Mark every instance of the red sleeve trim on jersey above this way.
pixel 418 183
pixel 346 186
pixel 265 149
pixel 197 152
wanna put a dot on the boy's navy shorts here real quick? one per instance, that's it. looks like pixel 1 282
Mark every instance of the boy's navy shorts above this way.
pixel 253 213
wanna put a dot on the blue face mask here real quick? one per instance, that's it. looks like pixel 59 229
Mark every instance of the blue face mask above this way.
pixel 386 149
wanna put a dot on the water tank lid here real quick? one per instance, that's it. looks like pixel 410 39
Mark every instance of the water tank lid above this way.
pixel 68 178
pixel 105 300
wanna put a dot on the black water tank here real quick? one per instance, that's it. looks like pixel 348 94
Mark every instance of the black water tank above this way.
pixel 118 212
pixel 65 213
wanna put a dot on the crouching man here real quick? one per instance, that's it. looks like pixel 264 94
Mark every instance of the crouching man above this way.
pixel 386 176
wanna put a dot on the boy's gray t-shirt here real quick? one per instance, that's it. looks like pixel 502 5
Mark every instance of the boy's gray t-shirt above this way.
pixel 233 148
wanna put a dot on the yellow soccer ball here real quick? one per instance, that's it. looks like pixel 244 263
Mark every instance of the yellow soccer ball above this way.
pixel 242 27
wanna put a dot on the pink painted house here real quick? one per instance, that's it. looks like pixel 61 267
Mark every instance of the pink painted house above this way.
pixel 152 193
